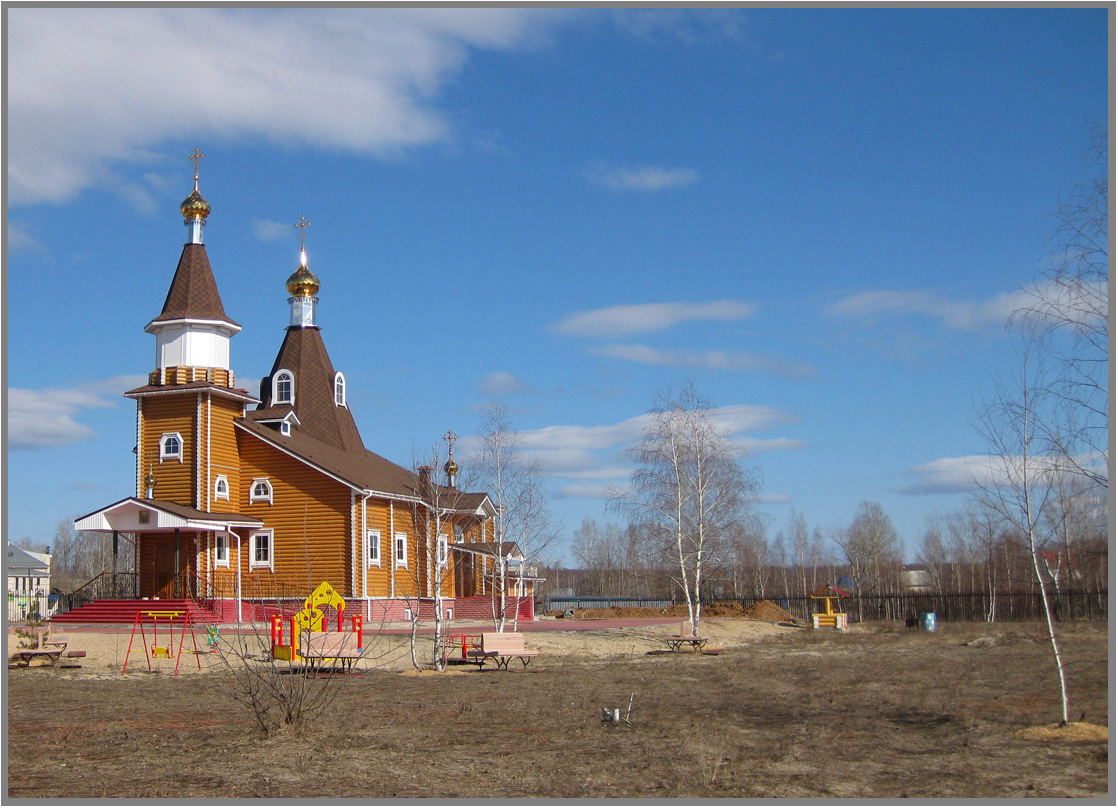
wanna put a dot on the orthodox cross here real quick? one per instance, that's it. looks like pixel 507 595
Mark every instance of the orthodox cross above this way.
pixel 450 437
pixel 195 159
pixel 302 226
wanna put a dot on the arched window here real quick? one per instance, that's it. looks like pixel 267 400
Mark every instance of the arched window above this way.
pixel 339 389
pixel 261 491
pixel 221 487
pixel 170 446
pixel 283 387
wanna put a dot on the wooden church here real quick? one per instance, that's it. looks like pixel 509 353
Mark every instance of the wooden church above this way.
pixel 244 503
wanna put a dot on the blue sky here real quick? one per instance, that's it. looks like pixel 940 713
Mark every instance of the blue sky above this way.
pixel 821 216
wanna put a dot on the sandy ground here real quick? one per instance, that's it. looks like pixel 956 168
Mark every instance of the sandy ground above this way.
pixel 107 648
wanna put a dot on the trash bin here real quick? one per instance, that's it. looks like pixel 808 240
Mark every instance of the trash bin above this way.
pixel 929 621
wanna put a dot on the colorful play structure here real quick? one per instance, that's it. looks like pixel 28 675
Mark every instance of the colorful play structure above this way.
pixel 150 620
pixel 311 618
pixel 829 617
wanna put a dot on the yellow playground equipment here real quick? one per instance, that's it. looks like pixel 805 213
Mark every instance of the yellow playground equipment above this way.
pixel 829 617
pixel 310 618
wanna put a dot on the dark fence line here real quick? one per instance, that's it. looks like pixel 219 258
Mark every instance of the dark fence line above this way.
pixel 977 607
pixel 973 607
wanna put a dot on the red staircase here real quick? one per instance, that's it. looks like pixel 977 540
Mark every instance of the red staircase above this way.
pixel 123 612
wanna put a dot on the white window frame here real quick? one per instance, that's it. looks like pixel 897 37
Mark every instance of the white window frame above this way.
pixel 285 427
pixel 255 497
pixel 372 547
pixel 339 389
pixel 218 492
pixel 400 545
pixel 219 539
pixel 283 374
pixel 255 564
pixel 163 453
pixel 442 551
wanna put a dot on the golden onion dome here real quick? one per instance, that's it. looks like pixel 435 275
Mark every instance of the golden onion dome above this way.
pixel 451 467
pixel 195 206
pixel 303 282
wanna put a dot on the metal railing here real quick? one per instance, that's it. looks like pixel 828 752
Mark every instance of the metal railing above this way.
pixel 32 608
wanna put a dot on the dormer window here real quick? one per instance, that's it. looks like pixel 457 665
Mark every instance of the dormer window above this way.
pixel 339 389
pixel 221 487
pixel 261 491
pixel 285 428
pixel 170 447
pixel 283 387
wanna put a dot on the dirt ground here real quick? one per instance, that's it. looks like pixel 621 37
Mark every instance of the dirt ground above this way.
pixel 781 712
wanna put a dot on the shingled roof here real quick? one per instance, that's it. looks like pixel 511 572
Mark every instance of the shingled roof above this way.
pixel 360 469
pixel 193 294
pixel 320 418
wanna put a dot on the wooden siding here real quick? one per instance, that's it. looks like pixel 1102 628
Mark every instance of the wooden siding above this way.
pixel 175 481
pixel 309 516
pixel 224 457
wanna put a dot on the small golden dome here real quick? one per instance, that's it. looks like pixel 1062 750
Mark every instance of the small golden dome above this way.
pixel 194 206
pixel 303 282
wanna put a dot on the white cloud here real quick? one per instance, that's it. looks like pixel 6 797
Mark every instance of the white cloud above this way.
pixel 584 490
pixel 689 25
pixel 19 240
pixel 638 178
pixel 265 230
pixel 715 360
pixel 960 315
pixel 502 383
pixel 642 318
pixel 90 88
pixel 42 418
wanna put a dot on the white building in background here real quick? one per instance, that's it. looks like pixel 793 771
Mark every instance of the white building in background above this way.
pixel 28 572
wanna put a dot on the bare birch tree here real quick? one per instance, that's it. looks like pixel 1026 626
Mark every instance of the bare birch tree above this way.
pixel 516 487
pixel 688 488
pixel 1017 483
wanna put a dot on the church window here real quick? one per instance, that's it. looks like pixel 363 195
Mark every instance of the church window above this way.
pixel 221 550
pixel 285 428
pixel 221 487
pixel 339 389
pixel 441 552
pixel 261 491
pixel 283 387
pixel 261 550
pixel 170 447
pixel 401 550
pixel 372 537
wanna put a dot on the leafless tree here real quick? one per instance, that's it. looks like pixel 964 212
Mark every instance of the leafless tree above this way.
pixel 1018 481
pixel 871 547
pixel 1066 312
pixel 517 489
pixel 688 489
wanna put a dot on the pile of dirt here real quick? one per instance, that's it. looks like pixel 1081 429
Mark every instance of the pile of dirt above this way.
pixel 767 610
pixel 728 609
pixel 1074 731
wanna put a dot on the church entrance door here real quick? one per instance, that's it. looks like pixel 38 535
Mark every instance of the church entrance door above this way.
pixel 164 570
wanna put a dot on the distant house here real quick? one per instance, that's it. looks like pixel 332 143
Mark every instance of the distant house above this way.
pixel 916 579
pixel 28 572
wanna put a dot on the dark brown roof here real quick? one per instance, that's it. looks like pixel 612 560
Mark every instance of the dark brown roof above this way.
pixel 304 354
pixel 193 293
pixel 361 469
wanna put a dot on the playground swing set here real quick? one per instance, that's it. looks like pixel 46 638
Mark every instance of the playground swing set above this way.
pixel 150 620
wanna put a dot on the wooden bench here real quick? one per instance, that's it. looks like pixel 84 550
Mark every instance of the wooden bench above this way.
pixel 685 637
pixel 49 647
pixel 501 647
pixel 318 647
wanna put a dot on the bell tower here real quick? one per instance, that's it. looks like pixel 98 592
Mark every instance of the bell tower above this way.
pixel 192 332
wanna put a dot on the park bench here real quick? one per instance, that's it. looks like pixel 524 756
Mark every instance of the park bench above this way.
pixel 319 646
pixel 49 647
pixel 685 637
pixel 501 647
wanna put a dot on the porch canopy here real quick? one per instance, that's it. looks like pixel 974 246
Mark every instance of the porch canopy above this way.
pixel 135 515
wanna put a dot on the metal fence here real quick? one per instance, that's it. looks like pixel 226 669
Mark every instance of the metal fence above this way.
pixel 970 607
pixel 23 608
pixel 977 607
